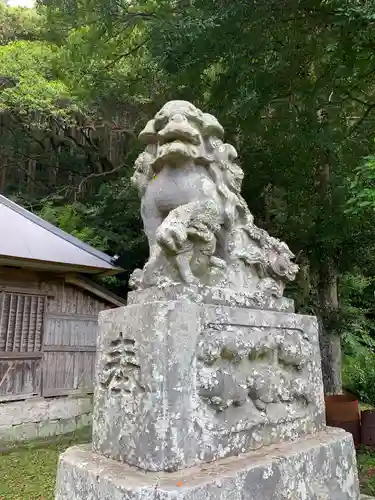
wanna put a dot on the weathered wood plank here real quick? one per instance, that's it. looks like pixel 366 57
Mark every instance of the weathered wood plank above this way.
pixel 17 397
pixel 25 326
pixel 20 378
pixel 2 316
pixel 72 330
pixel 6 374
pixel 68 378
pixel 66 392
pixel 67 348
pixel 20 289
pixel 80 302
pixel 67 371
pixel 8 332
pixel 81 317
pixel 23 281
pixel 100 294
pixel 40 317
pixel 21 355
pixel 18 322
pixel 31 324
pixel 84 372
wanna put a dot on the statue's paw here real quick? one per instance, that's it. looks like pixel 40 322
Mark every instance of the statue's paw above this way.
pixel 172 236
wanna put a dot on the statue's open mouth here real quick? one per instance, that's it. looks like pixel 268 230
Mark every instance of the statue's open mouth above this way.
pixel 174 151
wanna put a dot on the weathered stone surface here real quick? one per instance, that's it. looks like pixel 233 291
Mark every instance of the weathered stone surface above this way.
pixel 212 296
pixel 318 467
pixel 199 228
pixel 23 432
pixel 69 425
pixel 84 420
pixel 39 410
pixel 39 418
pixel 180 383
pixel 48 428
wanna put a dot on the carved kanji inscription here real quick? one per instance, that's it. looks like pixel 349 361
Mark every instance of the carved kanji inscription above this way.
pixel 122 369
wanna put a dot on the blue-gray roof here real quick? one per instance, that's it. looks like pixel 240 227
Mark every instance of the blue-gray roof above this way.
pixel 25 236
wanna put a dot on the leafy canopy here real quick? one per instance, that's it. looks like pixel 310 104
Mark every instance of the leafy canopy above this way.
pixel 33 85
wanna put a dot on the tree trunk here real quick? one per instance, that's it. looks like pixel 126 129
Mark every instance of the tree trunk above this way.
pixel 2 179
pixel 330 342
pixel 31 175
pixel 3 172
pixel 303 281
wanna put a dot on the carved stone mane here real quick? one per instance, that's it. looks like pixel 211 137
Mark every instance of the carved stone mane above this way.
pixel 199 228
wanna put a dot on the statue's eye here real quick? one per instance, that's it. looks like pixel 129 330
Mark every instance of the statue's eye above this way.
pixel 160 122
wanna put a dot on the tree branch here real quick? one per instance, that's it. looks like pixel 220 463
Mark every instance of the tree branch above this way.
pixel 126 54
pixel 362 119
pixel 97 174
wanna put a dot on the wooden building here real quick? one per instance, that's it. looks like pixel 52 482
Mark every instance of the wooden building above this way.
pixel 48 308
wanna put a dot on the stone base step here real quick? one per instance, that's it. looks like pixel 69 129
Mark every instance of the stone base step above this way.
pixel 320 466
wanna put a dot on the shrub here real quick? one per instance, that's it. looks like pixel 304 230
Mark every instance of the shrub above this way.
pixel 359 376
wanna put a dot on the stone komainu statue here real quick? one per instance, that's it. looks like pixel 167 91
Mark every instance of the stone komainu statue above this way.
pixel 199 228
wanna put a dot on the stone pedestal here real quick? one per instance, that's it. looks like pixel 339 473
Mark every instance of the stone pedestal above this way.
pixel 187 383
pixel 320 467
pixel 208 401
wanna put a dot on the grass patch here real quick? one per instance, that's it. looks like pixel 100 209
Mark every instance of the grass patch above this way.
pixel 28 470
pixel 366 470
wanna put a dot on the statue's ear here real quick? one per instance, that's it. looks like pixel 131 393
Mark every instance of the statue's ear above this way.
pixel 211 126
pixel 148 134
pixel 232 153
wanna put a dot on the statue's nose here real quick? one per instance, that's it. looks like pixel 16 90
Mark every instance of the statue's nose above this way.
pixel 178 117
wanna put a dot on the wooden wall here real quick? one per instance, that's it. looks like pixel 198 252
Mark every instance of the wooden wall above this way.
pixel 48 331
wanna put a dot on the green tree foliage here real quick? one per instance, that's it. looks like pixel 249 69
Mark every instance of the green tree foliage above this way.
pixel 72 219
pixel 357 320
pixel 19 24
pixel 104 54
pixel 34 89
pixel 115 215
pixel 362 201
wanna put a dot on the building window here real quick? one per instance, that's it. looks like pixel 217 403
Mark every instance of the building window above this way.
pixel 21 322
